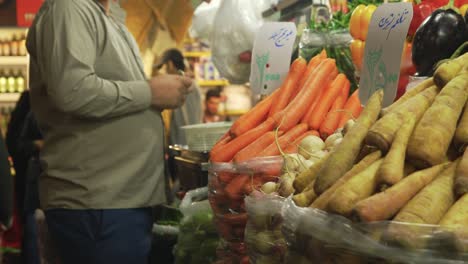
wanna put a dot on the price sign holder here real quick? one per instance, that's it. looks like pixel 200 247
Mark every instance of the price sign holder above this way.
pixel 384 45
pixel 271 56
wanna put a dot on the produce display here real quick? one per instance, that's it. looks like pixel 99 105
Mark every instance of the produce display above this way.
pixel 414 175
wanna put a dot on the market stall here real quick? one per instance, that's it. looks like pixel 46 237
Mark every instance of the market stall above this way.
pixel 316 172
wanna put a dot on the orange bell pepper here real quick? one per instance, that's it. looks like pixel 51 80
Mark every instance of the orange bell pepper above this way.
pixel 357 52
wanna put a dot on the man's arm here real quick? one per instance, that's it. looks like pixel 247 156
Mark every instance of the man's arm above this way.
pixel 67 52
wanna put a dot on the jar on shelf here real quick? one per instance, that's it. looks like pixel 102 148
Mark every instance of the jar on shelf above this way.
pixel 3 82
pixel 6 47
pixel 11 82
pixel 20 84
pixel 22 45
pixel 14 46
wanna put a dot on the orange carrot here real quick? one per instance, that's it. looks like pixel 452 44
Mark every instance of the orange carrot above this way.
pixel 311 66
pixel 352 109
pixel 223 140
pixel 254 117
pixel 293 113
pixel 225 153
pixel 326 101
pixel 330 124
pixel 293 147
pixel 289 85
pixel 256 147
pixel 235 188
pixel 317 99
pixel 284 140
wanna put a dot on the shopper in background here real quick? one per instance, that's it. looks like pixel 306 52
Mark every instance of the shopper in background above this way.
pixel 173 62
pixel 103 150
pixel 213 99
pixel 6 192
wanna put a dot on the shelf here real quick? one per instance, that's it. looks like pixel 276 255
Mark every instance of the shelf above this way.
pixel 9 97
pixel 235 112
pixel 197 54
pixel 212 82
pixel 14 60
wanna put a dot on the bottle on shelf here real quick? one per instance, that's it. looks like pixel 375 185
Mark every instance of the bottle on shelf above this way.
pixel 20 86
pixel 1 46
pixel 11 82
pixel 3 82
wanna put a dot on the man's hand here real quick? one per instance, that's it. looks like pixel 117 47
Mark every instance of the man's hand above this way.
pixel 169 91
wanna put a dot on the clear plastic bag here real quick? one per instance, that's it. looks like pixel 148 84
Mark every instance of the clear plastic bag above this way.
pixel 315 236
pixel 198 240
pixel 202 20
pixel 234 29
pixel 337 45
pixel 229 184
pixel 263 238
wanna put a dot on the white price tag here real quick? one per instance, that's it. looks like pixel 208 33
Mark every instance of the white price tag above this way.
pixel 384 45
pixel 271 56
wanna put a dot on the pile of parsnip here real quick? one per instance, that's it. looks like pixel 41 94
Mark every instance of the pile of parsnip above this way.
pixel 405 163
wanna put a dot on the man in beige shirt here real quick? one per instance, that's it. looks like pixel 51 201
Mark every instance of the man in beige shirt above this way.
pixel 103 133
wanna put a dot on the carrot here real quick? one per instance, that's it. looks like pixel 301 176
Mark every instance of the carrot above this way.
pixel 223 140
pixel 323 90
pixel 384 205
pixel 289 85
pixel 383 131
pixel 330 124
pixel 457 215
pixel 322 201
pixel 409 94
pixel 449 69
pixel 438 124
pixel 461 180
pixel 359 187
pixel 235 219
pixel 283 141
pixel 305 198
pixel 234 189
pixel 253 149
pixel 311 66
pixel 293 147
pixel 226 152
pixel 432 202
pixel 427 207
pixel 254 116
pixel 352 109
pixel 345 154
pixel 293 113
pixel 393 166
pixel 461 134
pixel 308 176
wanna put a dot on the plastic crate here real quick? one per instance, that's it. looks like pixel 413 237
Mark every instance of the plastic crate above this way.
pixel 202 137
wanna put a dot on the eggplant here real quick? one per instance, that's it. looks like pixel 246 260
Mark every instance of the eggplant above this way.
pixel 437 38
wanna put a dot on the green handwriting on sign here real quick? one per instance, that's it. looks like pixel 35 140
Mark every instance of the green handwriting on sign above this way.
pixel 272 77
pixel 378 77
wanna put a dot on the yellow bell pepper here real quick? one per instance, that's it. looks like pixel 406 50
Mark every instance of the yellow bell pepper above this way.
pixel 463 9
pixel 360 19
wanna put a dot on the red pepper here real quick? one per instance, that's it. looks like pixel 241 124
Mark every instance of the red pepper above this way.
pixel 420 12
pixel 459 3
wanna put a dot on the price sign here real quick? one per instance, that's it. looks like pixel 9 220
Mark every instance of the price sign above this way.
pixel 384 45
pixel 271 56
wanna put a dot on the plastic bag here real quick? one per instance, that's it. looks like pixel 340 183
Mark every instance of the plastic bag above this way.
pixel 202 20
pixel 234 29
pixel 263 238
pixel 315 236
pixel 336 44
pixel 228 185
pixel 198 240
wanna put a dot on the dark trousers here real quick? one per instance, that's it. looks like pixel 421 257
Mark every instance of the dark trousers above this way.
pixel 117 236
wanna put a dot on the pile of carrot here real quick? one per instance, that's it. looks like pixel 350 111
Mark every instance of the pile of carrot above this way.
pixel 314 98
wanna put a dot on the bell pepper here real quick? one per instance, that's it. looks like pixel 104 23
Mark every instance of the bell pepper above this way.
pixel 421 10
pixel 357 52
pixel 463 10
pixel 360 19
